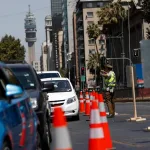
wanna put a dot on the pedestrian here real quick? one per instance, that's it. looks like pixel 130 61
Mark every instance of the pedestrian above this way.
pixel 109 89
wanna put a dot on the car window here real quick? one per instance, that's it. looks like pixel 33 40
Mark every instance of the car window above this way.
pixel 26 77
pixel 11 77
pixel 48 75
pixel 61 85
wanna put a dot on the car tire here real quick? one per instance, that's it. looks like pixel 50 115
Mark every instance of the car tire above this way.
pixel 76 118
pixel 6 146
pixel 38 142
pixel 47 138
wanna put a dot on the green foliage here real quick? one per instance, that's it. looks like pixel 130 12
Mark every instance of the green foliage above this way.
pixel 63 72
pixel 111 13
pixel 148 33
pixel 93 61
pixel 11 49
pixel 93 31
pixel 146 10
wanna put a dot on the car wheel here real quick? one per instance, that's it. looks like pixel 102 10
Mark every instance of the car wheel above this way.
pixel 38 142
pixel 6 146
pixel 76 118
pixel 47 136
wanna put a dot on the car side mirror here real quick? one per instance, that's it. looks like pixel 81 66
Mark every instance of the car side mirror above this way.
pixel 48 87
pixel 13 90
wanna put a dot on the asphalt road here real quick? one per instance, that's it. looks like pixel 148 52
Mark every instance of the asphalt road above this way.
pixel 125 135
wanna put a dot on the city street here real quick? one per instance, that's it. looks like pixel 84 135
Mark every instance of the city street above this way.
pixel 125 135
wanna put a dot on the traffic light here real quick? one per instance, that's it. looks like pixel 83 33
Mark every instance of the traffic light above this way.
pixel 136 52
pixel 82 71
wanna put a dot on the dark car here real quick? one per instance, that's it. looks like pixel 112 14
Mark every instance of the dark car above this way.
pixel 32 84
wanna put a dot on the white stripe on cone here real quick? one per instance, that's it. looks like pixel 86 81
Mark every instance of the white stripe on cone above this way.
pixel 101 107
pixel 95 118
pixel 62 138
pixel 96 133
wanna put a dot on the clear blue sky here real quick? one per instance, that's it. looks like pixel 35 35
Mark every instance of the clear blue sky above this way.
pixel 12 15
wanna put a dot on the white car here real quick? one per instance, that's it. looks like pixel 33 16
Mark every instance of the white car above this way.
pixel 63 96
pixel 48 74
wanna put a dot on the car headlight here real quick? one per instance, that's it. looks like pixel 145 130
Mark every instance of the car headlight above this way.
pixel 34 103
pixel 71 100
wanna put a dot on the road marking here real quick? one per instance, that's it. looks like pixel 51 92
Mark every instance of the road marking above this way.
pixel 128 144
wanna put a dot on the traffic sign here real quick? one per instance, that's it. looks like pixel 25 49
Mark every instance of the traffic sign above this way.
pixel 82 78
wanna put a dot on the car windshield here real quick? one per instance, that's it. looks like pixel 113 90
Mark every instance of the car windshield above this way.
pixel 48 75
pixel 25 77
pixel 61 85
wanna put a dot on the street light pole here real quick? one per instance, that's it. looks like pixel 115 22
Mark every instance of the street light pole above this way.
pixel 129 31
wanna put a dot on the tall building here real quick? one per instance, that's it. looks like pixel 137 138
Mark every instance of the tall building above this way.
pixel 50 52
pixel 68 6
pixel 36 65
pixel 30 31
pixel 56 13
pixel 86 15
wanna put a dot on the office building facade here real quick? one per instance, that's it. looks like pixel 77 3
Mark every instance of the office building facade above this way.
pixel 86 15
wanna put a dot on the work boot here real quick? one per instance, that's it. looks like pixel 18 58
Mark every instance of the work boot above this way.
pixel 110 116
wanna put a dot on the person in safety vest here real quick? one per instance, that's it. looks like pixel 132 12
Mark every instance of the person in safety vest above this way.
pixel 110 83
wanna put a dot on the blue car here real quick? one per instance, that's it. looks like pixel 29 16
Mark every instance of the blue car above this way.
pixel 18 121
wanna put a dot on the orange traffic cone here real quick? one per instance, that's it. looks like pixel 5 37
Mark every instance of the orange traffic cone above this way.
pixel 61 133
pixel 82 107
pixel 105 125
pixel 23 133
pixel 87 105
pixel 96 140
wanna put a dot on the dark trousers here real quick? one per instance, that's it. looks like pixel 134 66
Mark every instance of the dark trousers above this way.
pixel 109 99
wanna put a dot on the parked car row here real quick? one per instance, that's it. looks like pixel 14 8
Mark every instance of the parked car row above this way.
pixel 23 108
pixel 27 102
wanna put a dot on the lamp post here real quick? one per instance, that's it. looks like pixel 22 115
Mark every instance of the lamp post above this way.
pixel 129 31
pixel 68 60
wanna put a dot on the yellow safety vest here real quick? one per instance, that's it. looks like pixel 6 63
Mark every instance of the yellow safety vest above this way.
pixel 111 82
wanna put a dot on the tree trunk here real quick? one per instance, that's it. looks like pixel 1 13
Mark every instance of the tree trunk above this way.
pixel 98 68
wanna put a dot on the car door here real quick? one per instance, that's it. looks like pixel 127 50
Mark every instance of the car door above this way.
pixel 11 113
pixel 21 112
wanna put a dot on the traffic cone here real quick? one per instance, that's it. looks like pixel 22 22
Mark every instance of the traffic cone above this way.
pixel 103 117
pixel 82 107
pixel 87 105
pixel 96 140
pixel 96 97
pixel 61 133
pixel 23 133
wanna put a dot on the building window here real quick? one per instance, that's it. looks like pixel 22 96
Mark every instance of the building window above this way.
pixel 90 22
pixel 90 14
pixel 92 41
pixel 89 5
pixel 91 51
pixel 100 4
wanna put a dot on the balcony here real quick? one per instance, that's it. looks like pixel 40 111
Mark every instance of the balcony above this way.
pixel 81 47
pixel 80 38
pixel 80 29
pixel 80 19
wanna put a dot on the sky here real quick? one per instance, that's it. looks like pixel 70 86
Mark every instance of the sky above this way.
pixel 12 15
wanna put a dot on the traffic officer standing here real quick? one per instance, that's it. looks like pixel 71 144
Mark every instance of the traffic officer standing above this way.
pixel 110 83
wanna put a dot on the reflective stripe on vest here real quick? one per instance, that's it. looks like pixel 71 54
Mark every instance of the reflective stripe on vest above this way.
pixel 111 82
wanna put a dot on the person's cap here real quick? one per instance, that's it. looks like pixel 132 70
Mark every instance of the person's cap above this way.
pixel 109 66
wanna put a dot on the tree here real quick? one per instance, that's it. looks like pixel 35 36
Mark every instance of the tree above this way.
pixel 146 10
pixel 111 13
pixel 93 33
pixel 11 49
pixel 146 14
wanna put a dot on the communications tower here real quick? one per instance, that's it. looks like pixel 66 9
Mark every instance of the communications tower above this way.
pixel 30 31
